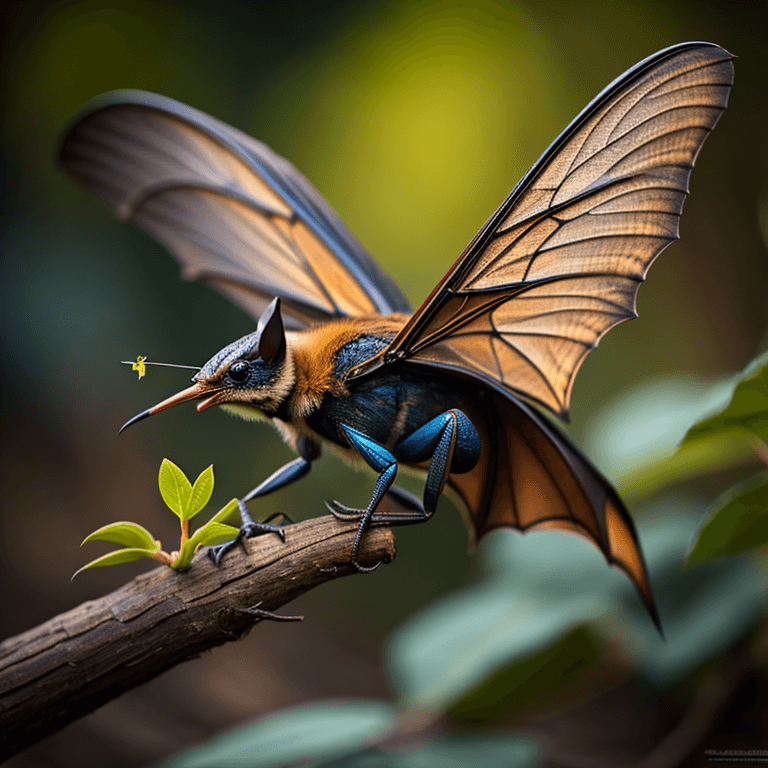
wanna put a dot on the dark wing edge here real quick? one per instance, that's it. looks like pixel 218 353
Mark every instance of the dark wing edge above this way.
pixel 530 476
pixel 560 261
pixel 235 214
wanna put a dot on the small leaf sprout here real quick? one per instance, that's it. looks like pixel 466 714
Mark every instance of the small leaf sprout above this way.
pixel 185 500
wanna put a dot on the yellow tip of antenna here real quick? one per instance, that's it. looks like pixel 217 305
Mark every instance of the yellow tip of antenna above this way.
pixel 140 366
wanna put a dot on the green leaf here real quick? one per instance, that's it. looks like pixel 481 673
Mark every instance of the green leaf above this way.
pixel 213 533
pixel 185 556
pixel 748 407
pixel 523 607
pixel 474 750
pixel 129 534
pixel 209 535
pixel 482 750
pixel 532 680
pixel 120 556
pixel 302 735
pixel 704 610
pixel 540 592
pixel 636 439
pixel 739 522
pixel 175 489
pixel 201 492
pixel 225 512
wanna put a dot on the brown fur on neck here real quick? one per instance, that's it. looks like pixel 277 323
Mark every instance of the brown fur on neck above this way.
pixel 314 352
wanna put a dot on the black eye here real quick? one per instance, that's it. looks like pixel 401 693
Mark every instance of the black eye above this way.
pixel 239 372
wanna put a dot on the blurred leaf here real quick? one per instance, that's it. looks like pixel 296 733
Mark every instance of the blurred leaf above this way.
pixel 201 492
pixel 175 489
pixel 704 614
pixel 698 457
pixel 493 646
pixel 482 750
pixel 324 730
pixel 636 440
pixel 531 680
pixel 704 610
pixel 120 556
pixel 748 408
pixel 739 522
pixel 541 586
pixel 129 534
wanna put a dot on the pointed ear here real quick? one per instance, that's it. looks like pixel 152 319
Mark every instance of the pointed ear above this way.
pixel 272 333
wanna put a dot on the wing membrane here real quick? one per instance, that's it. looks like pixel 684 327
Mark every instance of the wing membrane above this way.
pixel 530 477
pixel 560 262
pixel 235 214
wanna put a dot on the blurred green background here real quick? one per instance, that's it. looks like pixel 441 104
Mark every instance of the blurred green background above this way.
pixel 414 120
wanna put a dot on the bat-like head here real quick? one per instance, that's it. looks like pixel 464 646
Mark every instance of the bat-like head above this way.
pixel 252 376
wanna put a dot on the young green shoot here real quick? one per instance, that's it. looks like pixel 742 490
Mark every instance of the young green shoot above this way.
pixel 185 500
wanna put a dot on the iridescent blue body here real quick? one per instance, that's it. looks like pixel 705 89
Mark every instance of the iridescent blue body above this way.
pixel 401 417
pixel 389 409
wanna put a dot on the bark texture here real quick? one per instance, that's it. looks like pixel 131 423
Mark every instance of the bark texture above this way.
pixel 74 663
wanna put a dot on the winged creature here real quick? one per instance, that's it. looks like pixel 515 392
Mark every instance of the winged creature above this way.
pixel 450 390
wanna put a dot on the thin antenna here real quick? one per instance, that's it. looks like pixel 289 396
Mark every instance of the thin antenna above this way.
pixel 165 365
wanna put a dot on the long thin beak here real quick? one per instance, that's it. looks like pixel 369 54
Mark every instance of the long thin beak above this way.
pixel 190 393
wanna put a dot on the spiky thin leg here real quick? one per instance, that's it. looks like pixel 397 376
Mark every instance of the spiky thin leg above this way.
pixel 382 461
pixel 289 473
pixel 453 444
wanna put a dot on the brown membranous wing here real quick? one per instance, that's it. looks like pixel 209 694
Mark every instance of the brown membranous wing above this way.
pixel 235 214
pixel 559 263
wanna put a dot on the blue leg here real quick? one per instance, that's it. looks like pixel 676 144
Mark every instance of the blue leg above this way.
pixel 292 471
pixel 438 439
pixel 452 443
pixel 382 461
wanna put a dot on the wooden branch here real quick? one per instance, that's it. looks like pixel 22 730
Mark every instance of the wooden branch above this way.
pixel 74 663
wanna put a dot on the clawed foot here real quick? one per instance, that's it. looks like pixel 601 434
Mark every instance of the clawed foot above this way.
pixel 249 531
pixel 361 568
pixel 342 512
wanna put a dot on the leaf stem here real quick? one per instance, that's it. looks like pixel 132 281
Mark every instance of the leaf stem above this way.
pixel 163 557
